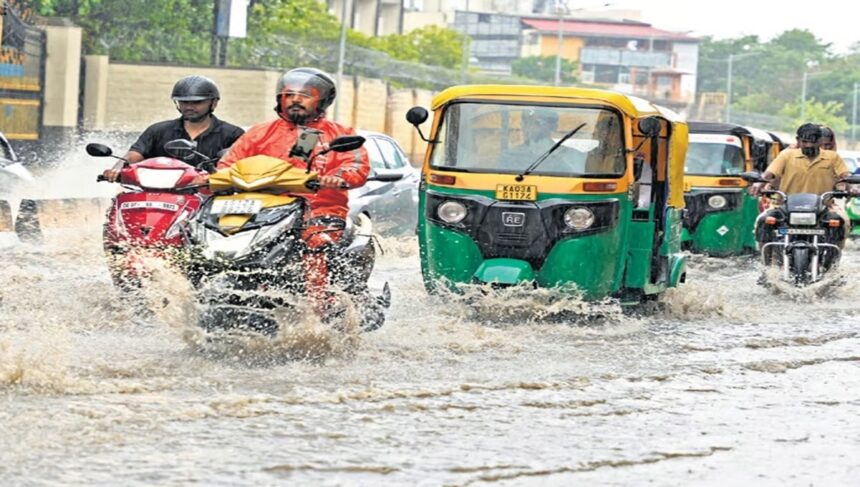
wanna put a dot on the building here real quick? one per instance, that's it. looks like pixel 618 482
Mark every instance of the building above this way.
pixel 627 56
pixel 494 39
pixel 371 17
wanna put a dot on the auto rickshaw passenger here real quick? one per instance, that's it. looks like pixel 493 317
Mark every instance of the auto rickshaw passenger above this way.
pixel 538 126
pixel 608 156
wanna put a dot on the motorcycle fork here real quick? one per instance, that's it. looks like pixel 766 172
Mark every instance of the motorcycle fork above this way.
pixel 786 272
pixel 814 261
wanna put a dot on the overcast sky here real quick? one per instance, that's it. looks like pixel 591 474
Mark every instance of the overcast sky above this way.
pixel 837 22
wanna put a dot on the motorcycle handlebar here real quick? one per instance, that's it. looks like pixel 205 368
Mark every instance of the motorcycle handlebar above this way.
pixel 101 178
pixel 315 185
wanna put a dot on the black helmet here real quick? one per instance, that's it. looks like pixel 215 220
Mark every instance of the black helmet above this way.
pixel 311 77
pixel 195 88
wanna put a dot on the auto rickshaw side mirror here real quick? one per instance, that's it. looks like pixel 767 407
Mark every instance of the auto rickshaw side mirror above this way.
pixel 416 116
pixel 650 126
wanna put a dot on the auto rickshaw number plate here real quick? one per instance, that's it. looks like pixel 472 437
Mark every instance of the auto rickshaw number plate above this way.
pixel 516 192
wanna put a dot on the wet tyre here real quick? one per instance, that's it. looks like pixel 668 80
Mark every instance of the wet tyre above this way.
pixel 800 265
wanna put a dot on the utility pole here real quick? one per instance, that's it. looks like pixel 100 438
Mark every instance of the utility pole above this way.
pixel 341 53
pixel 803 97
pixel 854 114
pixel 558 43
pixel 729 91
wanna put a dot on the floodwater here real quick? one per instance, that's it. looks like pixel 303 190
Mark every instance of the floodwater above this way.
pixel 726 383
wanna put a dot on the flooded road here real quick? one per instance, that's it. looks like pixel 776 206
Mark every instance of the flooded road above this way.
pixel 728 383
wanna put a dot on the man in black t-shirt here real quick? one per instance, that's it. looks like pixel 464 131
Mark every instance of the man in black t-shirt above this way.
pixel 196 98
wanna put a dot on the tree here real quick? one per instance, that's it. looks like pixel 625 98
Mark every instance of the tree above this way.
pixel 543 68
pixel 826 113
pixel 140 30
pixel 431 45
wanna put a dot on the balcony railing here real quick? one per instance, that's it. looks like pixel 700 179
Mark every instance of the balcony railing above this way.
pixel 624 57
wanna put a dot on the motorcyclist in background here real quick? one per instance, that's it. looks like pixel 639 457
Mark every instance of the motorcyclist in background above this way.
pixel 195 98
pixel 302 96
pixel 805 169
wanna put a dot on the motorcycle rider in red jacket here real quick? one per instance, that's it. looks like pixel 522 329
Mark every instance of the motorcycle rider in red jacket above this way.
pixel 302 96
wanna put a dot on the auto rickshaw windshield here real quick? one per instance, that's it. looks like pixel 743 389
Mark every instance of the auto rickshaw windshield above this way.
pixel 507 138
pixel 717 155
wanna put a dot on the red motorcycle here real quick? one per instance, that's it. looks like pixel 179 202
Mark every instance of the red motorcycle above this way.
pixel 146 220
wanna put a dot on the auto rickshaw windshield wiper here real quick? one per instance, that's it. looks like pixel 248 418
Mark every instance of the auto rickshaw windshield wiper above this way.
pixel 546 154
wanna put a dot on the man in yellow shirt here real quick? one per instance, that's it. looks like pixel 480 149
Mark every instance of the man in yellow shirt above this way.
pixel 806 169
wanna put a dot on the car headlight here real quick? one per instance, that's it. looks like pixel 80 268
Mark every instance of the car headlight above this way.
pixel 717 202
pixel 578 218
pixel 802 219
pixel 451 211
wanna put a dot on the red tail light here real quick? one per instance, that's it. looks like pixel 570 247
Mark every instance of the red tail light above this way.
pixel 834 223
pixel 599 187
pixel 729 182
pixel 442 179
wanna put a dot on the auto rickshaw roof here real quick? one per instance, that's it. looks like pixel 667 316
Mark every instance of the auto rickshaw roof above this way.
pixel 697 127
pixel 630 105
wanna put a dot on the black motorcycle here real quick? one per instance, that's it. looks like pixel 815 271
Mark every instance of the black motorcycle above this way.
pixel 802 234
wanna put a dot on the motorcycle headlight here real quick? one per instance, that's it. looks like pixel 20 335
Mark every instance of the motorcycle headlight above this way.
pixel 578 218
pixel 717 202
pixel 266 235
pixel 802 219
pixel 159 178
pixel 451 212
pixel 227 247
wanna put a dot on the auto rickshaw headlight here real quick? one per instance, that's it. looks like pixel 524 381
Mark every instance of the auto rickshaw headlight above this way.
pixel 578 218
pixel 451 212
pixel 717 202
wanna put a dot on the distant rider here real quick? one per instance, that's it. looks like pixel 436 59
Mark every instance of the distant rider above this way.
pixel 195 98
pixel 805 169
pixel 302 96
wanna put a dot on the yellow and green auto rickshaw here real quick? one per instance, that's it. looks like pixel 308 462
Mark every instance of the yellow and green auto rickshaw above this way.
pixel 720 215
pixel 551 186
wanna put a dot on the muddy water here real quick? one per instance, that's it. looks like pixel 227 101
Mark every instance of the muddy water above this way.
pixel 727 383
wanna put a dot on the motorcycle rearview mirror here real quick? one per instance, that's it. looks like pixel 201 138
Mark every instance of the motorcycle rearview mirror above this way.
pixel 385 177
pixel 99 150
pixel 416 116
pixel 346 143
pixel 650 126
pixel 751 177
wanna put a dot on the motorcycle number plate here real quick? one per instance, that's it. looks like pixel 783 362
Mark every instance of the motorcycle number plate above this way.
pixel 148 205
pixel 806 231
pixel 236 207
pixel 516 192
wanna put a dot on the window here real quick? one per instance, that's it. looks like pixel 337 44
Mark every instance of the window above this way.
pixel 713 158
pixel 490 137
pixel 392 156
pixel 376 160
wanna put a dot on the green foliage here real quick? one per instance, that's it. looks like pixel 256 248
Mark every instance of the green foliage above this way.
pixel 431 45
pixel 827 113
pixel 543 68
pixel 140 30
pixel 768 76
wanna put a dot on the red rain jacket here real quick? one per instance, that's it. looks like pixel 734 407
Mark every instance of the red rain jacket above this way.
pixel 277 137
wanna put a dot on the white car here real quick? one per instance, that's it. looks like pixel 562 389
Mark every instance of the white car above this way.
pixel 393 206
pixel 851 157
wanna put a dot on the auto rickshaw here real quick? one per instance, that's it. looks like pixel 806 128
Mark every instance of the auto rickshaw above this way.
pixel 552 186
pixel 720 216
